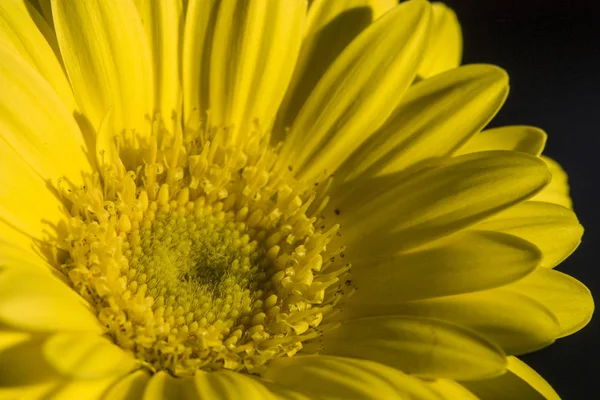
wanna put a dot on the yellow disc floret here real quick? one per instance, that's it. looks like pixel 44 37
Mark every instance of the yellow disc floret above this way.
pixel 199 253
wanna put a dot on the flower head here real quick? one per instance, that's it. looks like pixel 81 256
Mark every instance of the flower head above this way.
pixel 270 199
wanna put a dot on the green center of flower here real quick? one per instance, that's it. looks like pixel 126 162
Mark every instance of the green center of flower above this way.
pixel 203 255
pixel 201 261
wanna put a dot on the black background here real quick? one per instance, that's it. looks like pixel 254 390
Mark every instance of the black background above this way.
pixel 551 50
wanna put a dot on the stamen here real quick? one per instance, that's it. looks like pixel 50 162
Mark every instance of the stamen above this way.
pixel 203 255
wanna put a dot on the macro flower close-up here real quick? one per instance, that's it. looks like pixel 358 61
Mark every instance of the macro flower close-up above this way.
pixel 270 199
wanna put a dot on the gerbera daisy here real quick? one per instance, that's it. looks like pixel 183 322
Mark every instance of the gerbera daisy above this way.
pixel 246 199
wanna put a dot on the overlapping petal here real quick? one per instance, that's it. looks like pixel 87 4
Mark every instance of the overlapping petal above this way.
pixel 557 192
pixel 163 24
pixel 23 29
pixel 516 322
pixel 36 123
pixel 444 48
pixel 409 136
pixel 427 348
pixel 520 382
pixel 108 61
pixel 567 299
pixel 435 202
pixel 86 356
pixel 346 378
pixel 466 262
pixel 37 301
pixel 330 27
pixel 238 58
pixel 358 91
pixel 554 229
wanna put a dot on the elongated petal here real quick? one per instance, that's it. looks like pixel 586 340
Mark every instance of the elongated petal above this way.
pixel 230 385
pixel 130 387
pixel 516 322
pixel 24 371
pixel 423 347
pixel 451 390
pixel 25 374
pixel 163 386
pixel 16 255
pixel 359 91
pixel 282 392
pixel 107 59
pixel 444 48
pixel 86 356
pixel 434 118
pixel 466 262
pixel 197 46
pixel 566 298
pixel 12 338
pixel 526 139
pixel 552 228
pixel 36 123
pixel 45 9
pixel 557 192
pixel 238 59
pixel 457 193
pixel 18 353
pixel 29 211
pixel 163 24
pixel 19 29
pixel 520 382
pixel 38 302
pixel 330 27
pixel 345 378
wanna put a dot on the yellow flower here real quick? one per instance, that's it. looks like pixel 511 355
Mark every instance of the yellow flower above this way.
pixel 260 199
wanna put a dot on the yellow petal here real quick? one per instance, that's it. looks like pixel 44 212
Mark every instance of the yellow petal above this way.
pixel 199 29
pixel 359 91
pixel 20 26
pixel 35 122
pixel 444 48
pixel 17 255
pixel 107 58
pixel 520 382
pixel 22 363
pixel 39 302
pixel 78 389
pixel 9 339
pixel 242 73
pixel 526 139
pixel 130 387
pixel 86 356
pixel 60 389
pixel 436 202
pixel 424 347
pixel 552 228
pixel 230 385
pixel 345 378
pixel 283 393
pixel 330 27
pixel 45 9
pixel 557 192
pixel 466 262
pixel 450 390
pixel 321 12
pixel 434 118
pixel 163 386
pixel 568 299
pixel 163 24
pixel 29 211
pixel 516 322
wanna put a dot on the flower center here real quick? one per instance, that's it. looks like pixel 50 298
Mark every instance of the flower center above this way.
pixel 203 254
